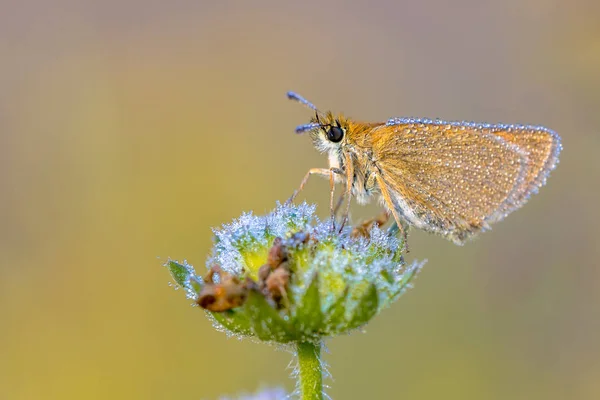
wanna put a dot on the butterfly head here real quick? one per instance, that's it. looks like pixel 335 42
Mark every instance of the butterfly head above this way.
pixel 327 131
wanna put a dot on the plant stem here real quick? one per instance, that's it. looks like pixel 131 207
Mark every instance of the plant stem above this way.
pixel 311 374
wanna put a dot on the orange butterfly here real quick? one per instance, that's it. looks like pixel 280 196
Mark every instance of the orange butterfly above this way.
pixel 449 178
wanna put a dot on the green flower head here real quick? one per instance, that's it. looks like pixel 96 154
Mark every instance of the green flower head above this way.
pixel 288 277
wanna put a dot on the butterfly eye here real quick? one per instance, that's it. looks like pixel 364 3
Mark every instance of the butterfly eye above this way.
pixel 335 134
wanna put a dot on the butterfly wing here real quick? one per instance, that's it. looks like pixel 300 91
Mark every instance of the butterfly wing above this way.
pixel 542 147
pixel 454 178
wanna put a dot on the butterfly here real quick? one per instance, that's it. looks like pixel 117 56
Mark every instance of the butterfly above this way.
pixel 450 178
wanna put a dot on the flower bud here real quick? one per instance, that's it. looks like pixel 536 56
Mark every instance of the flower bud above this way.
pixel 288 277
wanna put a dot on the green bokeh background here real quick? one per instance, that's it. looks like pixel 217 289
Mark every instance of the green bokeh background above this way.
pixel 129 128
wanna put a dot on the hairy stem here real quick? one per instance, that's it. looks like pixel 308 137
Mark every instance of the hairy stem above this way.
pixel 311 374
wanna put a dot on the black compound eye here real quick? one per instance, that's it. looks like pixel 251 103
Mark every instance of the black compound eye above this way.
pixel 335 134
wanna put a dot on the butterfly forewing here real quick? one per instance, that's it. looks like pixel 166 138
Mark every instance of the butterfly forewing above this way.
pixel 453 178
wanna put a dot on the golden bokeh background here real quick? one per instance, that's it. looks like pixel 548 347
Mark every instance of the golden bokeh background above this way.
pixel 129 128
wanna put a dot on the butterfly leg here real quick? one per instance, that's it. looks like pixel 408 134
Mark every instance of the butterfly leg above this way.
pixel 331 197
pixel 339 203
pixel 390 204
pixel 312 171
pixel 325 172
pixel 364 228
pixel 349 182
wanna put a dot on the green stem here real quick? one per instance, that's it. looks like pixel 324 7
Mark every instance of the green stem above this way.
pixel 311 375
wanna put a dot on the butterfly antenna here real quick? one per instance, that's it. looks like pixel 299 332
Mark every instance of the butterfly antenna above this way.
pixel 310 126
pixel 307 127
pixel 301 100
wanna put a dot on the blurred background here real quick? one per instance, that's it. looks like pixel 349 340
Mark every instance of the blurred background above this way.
pixel 129 128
